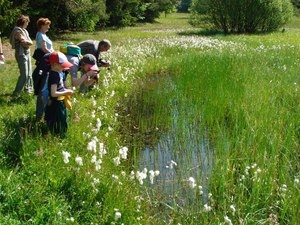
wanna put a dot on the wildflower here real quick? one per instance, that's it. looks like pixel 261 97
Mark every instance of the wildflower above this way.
pixel 247 170
pixel 115 177
pixel 132 175
pixel 273 219
pixel 192 182
pixel 117 160
pixel 171 164
pixel 92 145
pixel 207 208
pixel 79 160
pixel 102 150
pixel 123 152
pixel 153 174
pixel 98 125
pixel 66 155
pixel 258 171
pixel 296 181
pixel 94 102
pixel 145 170
pixel 200 190
pixel 71 219
pixel 112 93
pixel 96 181
pixel 93 115
pixel 117 216
pixel 232 209
pixel 283 188
pixel 94 159
pixel 141 176
pixel 123 173
pixel 227 220
pixel 98 165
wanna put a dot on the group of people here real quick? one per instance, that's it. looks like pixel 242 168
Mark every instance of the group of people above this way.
pixel 53 66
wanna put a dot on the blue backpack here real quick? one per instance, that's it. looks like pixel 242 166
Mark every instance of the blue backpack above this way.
pixel 70 49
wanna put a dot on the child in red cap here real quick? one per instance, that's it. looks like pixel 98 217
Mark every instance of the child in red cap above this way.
pixel 56 112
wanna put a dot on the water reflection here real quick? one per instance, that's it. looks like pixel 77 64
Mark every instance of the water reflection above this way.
pixel 182 153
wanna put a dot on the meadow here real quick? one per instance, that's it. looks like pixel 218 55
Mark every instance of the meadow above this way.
pixel 185 128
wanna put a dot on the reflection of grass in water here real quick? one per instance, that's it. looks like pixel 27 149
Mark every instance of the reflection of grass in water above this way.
pixel 247 105
pixel 145 113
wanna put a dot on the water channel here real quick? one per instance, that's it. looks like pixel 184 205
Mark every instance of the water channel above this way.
pixel 179 147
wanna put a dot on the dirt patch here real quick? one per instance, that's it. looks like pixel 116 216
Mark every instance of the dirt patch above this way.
pixel 8 52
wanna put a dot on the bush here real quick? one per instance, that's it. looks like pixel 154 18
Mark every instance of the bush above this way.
pixel 244 16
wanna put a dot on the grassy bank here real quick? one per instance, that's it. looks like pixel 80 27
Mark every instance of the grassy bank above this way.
pixel 240 92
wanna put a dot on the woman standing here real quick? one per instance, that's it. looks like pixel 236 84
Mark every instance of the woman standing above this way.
pixel 21 42
pixel 43 45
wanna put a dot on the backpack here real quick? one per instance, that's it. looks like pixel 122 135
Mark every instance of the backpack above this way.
pixel 70 49
pixel 40 73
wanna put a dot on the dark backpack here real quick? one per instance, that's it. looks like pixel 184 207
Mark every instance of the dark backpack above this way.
pixel 40 73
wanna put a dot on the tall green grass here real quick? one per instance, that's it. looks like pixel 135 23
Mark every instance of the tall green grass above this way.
pixel 238 93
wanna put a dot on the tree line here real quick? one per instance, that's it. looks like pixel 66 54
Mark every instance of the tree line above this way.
pixel 86 15
pixel 228 16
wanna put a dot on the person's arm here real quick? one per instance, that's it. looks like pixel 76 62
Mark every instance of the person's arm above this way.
pixel 44 47
pixel 23 40
pixel 78 81
pixel 55 93
pixel 91 78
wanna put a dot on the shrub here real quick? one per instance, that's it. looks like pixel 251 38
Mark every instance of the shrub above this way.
pixel 243 16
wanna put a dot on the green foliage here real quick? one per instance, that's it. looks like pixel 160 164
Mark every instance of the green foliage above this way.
pixel 8 14
pixel 86 15
pixel 244 16
pixel 184 6
pixel 83 15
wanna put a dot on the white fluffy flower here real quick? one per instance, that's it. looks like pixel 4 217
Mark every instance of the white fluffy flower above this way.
pixel 102 150
pixel 117 160
pixel 171 164
pixel 118 215
pixel 207 208
pixel 227 220
pixel 192 182
pixel 79 160
pixel 123 152
pixel 66 156
pixel 92 145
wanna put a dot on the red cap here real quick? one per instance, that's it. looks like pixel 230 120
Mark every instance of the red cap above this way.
pixel 59 57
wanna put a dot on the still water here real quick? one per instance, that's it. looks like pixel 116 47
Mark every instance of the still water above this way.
pixel 181 151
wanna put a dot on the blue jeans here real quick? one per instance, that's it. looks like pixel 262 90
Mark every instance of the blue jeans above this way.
pixel 41 100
